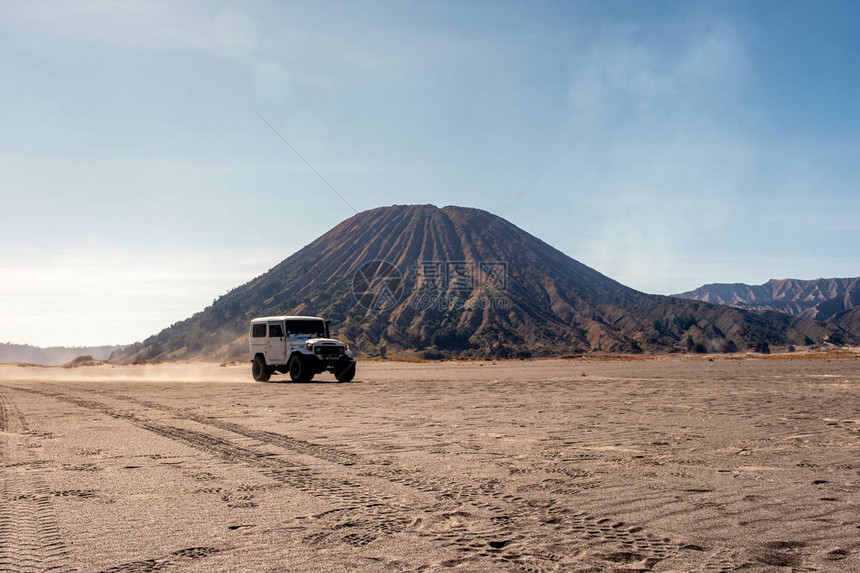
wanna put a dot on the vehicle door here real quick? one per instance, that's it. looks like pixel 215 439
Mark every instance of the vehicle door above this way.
pixel 259 332
pixel 276 345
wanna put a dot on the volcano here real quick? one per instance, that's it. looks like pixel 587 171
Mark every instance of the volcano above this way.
pixel 417 281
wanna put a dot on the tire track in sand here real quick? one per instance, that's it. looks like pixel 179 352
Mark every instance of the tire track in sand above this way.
pixel 381 515
pixel 30 539
pixel 502 539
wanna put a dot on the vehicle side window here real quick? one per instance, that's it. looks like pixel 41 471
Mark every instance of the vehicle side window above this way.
pixel 275 331
pixel 259 331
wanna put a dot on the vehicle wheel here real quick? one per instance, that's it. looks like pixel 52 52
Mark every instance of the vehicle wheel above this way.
pixel 260 371
pixel 300 370
pixel 347 374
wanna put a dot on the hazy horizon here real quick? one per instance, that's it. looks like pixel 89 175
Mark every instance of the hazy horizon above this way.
pixel 136 173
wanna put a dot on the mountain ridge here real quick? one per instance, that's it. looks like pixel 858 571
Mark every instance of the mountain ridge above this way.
pixel 831 300
pixel 52 355
pixel 550 304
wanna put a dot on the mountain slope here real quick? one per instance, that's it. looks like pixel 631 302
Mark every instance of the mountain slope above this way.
pixel 848 321
pixel 547 304
pixel 829 300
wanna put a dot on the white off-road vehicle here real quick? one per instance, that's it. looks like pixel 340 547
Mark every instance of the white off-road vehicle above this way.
pixel 299 346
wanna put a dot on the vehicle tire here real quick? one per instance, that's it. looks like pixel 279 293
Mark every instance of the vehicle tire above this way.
pixel 347 374
pixel 300 370
pixel 259 370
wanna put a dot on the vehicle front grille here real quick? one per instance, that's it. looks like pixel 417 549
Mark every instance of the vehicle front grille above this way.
pixel 328 350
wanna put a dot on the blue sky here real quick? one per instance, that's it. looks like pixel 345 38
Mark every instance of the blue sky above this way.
pixel 136 176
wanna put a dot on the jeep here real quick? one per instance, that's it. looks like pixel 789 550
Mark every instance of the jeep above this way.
pixel 299 346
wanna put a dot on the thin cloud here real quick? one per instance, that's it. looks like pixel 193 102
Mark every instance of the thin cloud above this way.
pixel 111 296
pixel 664 174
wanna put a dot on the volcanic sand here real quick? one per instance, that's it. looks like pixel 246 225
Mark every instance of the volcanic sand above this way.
pixel 676 464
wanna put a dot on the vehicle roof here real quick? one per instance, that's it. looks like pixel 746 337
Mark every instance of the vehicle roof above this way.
pixel 283 317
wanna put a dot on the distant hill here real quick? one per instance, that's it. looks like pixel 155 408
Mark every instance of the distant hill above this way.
pixel 849 320
pixel 835 301
pixel 53 355
pixel 543 303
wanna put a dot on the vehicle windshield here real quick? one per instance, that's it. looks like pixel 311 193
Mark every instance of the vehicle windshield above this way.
pixel 309 327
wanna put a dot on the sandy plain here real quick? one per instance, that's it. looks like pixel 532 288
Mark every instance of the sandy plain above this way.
pixel 679 464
